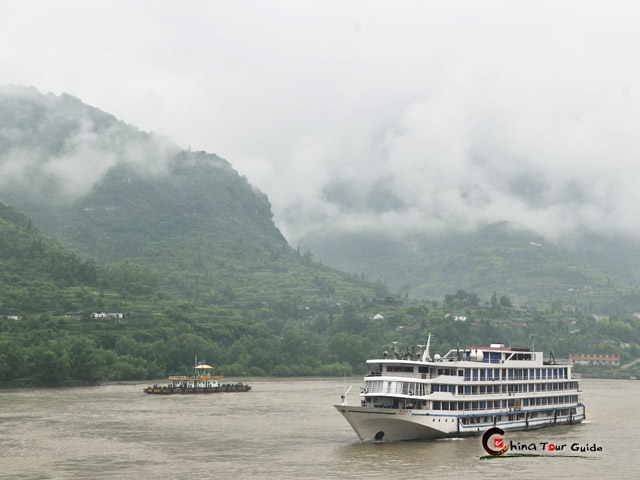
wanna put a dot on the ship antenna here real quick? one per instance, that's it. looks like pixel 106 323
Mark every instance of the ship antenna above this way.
pixel 425 354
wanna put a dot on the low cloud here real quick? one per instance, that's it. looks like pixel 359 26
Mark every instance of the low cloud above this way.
pixel 417 116
pixel 62 147
pixel 451 166
pixel 535 126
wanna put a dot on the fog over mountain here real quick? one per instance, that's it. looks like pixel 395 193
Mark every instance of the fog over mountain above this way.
pixel 57 148
pixel 448 166
pixel 414 117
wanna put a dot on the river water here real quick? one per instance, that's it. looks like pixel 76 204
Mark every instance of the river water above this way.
pixel 282 429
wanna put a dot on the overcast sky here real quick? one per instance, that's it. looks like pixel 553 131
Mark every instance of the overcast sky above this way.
pixel 378 114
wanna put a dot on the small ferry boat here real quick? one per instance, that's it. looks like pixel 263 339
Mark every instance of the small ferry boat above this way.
pixel 462 393
pixel 200 382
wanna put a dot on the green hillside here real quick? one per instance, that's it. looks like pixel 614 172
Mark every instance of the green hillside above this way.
pixel 189 217
pixel 207 232
pixel 50 333
pixel 42 283
pixel 176 240
pixel 503 258
pixel 37 274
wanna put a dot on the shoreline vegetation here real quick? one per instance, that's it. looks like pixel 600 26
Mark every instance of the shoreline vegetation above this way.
pixel 276 341
pixel 161 381
pixel 249 378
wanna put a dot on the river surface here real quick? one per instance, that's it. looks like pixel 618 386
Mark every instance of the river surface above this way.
pixel 283 429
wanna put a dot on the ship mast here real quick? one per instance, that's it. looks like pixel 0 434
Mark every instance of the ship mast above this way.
pixel 425 355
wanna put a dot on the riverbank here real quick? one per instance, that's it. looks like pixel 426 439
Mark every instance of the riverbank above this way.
pixel 609 376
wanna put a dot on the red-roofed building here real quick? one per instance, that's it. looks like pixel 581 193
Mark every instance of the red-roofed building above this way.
pixel 595 358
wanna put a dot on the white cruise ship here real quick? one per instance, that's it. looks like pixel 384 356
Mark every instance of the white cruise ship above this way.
pixel 463 393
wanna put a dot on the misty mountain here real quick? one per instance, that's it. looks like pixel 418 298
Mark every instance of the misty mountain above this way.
pixel 116 194
pixel 501 257
pixel 54 148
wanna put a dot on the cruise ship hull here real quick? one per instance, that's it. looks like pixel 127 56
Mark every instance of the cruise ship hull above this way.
pixel 466 392
pixel 390 425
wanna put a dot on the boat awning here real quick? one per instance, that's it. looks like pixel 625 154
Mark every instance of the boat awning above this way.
pixel 203 366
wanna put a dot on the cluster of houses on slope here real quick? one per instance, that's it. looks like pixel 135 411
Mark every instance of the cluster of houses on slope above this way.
pixel 115 314
pixel 611 359
pixel 518 321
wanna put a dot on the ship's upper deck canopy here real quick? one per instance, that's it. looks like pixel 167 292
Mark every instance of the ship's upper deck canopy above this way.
pixel 496 353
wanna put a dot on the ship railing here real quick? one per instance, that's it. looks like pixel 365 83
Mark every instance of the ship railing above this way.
pixel 522 394
pixel 375 391
pixel 460 396
pixel 521 409
pixel 186 377
pixel 470 378
pixel 495 361
pixel 417 376
pixel 405 374
pixel 513 377
pixel 511 409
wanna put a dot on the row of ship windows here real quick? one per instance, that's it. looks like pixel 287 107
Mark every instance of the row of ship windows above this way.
pixel 514 373
pixel 487 373
pixel 500 404
pixel 421 389
pixel 508 388
pixel 516 416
